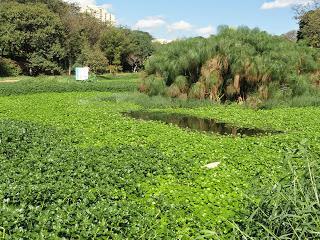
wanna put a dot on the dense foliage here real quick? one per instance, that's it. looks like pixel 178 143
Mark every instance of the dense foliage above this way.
pixel 126 49
pixel 33 34
pixel 310 28
pixel 308 17
pixel 50 37
pixel 9 67
pixel 235 64
pixel 74 167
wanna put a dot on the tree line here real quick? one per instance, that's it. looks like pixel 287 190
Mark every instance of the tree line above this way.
pixel 53 37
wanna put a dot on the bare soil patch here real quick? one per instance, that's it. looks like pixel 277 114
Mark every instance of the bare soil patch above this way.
pixel 9 81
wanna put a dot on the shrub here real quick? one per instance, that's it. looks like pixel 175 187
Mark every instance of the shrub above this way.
pixel 254 102
pixel 299 85
pixel 211 73
pixel 157 86
pixel 197 91
pixel 237 63
pixel 153 86
pixel 173 91
pixel 9 68
pixel 39 64
pixel 182 83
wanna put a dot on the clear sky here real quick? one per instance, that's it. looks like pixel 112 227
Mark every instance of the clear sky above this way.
pixel 171 19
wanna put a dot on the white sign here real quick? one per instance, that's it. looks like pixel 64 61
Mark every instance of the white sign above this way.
pixel 82 74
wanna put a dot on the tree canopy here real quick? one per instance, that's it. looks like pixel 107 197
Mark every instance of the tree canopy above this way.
pixel 32 34
pixel 308 16
pixel 309 28
pixel 52 36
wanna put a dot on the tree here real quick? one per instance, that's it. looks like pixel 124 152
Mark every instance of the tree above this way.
pixel 56 6
pixel 114 43
pixel 32 34
pixel 303 8
pixel 48 36
pixel 308 16
pixel 291 35
pixel 140 49
pixel 309 28
pixel 93 58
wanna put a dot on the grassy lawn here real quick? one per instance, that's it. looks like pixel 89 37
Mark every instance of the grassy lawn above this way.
pixel 72 166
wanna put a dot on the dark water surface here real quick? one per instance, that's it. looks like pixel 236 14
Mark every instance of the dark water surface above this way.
pixel 198 124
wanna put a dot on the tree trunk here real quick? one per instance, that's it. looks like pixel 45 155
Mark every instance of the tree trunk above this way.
pixel 70 67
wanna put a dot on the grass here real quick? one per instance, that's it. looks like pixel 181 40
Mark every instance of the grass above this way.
pixel 299 101
pixel 74 167
pixel 154 102
pixel 40 84
pixel 290 209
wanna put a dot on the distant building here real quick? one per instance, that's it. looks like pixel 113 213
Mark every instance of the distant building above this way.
pixel 100 13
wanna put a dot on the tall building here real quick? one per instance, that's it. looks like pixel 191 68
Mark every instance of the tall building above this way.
pixel 100 13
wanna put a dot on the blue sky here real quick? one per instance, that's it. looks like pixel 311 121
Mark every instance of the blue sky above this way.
pixel 171 19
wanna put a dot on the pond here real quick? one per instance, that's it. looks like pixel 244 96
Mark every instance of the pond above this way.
pixel 198 124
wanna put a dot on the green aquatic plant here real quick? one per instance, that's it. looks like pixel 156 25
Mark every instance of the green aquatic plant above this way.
pixel 236 63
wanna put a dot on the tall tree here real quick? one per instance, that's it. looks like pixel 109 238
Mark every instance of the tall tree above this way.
pixel 308 16
pixel 93 58
pixel 126 48
pixel 114 43
pixel 309 28
pixel 50 35
pixel 32 34
pixel 140 49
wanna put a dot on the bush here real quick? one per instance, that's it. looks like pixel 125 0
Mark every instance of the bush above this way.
pixel 253 102
pixel 182 83
pixel 173 91
pixel 152 86
pixel 300 85
pixel 9 68
pixel 197 91
pixel 39 64
pixel 236 63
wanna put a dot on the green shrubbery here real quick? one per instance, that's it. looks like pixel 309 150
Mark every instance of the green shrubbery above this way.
pixel 9 68
pixel 234 65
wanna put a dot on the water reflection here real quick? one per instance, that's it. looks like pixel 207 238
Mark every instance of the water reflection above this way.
pixel 198 124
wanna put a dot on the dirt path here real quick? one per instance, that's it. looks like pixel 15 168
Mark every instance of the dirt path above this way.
pixel 9 81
